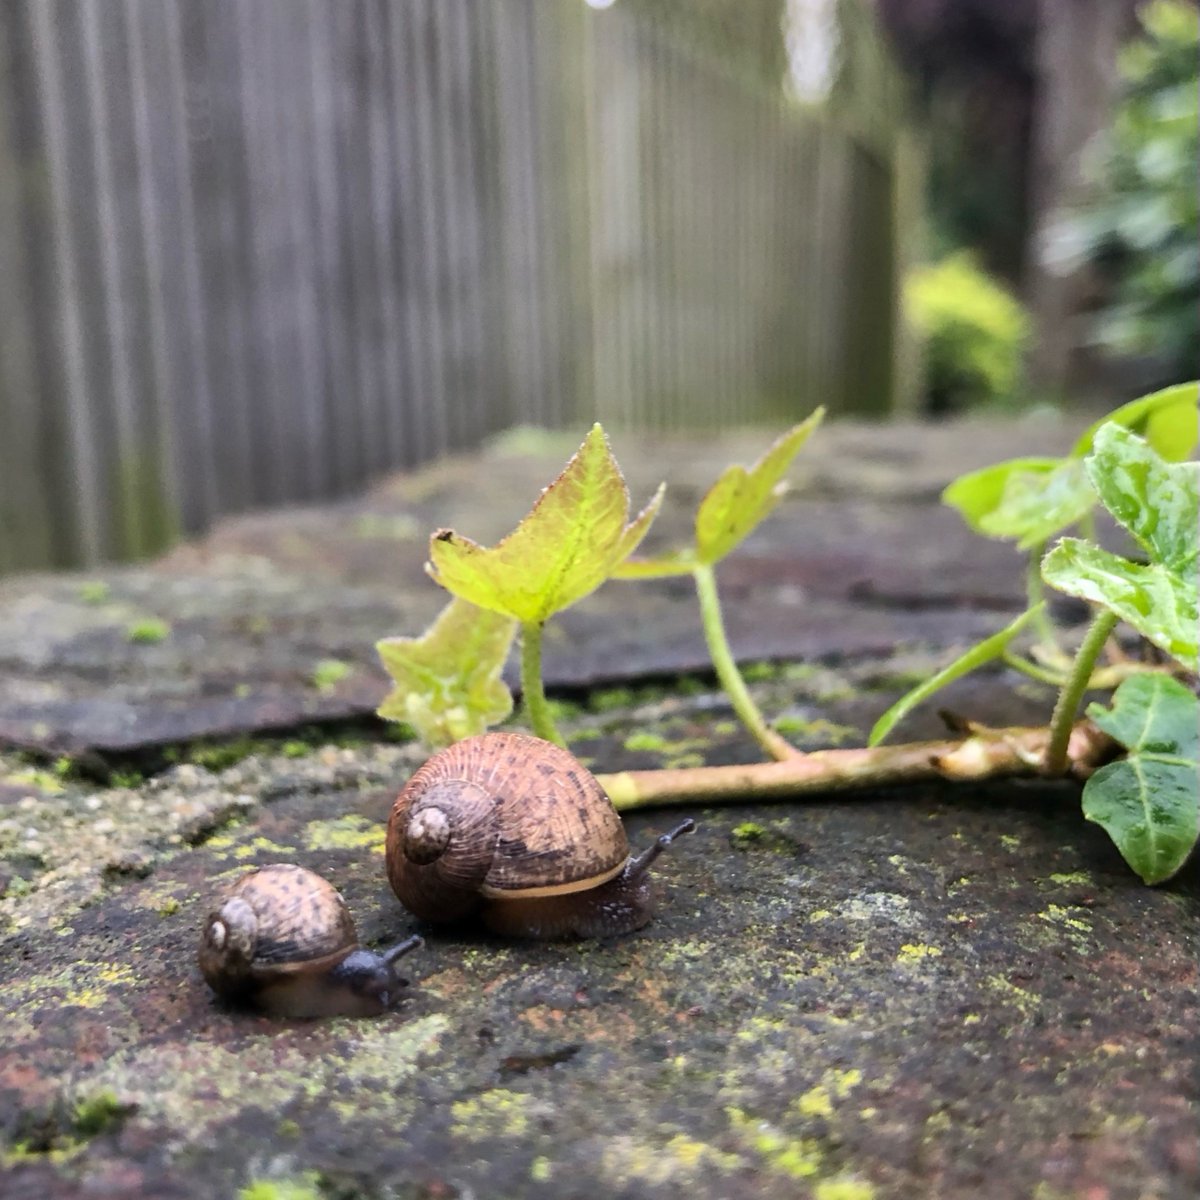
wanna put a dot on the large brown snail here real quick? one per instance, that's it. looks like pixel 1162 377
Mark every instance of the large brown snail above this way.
pixel 282 940
pixel 517 831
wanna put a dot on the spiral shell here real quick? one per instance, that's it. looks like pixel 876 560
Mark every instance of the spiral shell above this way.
pixel 502 815
pixel 274 921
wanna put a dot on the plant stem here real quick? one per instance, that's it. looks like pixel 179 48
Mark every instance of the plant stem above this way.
pixel 727 670
pixel 983 754
pixel 536 705
pixel 1067 705
pixel 1035 593
pixel 1019 663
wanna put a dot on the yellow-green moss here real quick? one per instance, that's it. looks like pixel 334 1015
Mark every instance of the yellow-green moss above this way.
pixel 1072 877
pixel 1058 915
pixel 835 1085
pixel 147 631
pixel 44 781
pixel 95 1113
pixel 499 1113
pixel 646 741
pixel 912 953
pixel 817 729
pixel 680 1158
pixel 798 1158
pixel 94 591
pixel 328 673
pixel 351 832
pixel 843 1189
pixel 299 1187
pixel 747 833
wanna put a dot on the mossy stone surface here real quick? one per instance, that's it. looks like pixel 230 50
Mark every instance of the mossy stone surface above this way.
pixel 928 993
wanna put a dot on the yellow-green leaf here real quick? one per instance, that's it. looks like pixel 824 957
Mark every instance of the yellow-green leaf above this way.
pixel 565 548
pixel 448 683
pixel 742 497
pixel 1166 419
pixel 978 494
pixel 1037 505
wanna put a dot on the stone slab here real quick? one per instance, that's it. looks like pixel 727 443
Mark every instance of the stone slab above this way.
pixel 924 993
pixel 921 995
pixel 859 560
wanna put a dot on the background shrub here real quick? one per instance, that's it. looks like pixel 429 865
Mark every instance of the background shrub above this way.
pixel 973 333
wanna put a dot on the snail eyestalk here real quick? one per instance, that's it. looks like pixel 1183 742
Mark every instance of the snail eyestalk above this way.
pixel 638 865
pixel 405 947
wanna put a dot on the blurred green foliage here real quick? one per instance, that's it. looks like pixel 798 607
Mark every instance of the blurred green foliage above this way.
pixel 1142 232
pixel 972 330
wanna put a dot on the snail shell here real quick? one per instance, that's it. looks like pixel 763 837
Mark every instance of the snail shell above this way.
pixel 518 830
pixel 283 939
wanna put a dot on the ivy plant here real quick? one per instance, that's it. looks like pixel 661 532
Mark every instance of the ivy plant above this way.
pixel 1138 757
pixel 567 546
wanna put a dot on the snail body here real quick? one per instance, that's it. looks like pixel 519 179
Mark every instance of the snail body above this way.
pixel 282 940
pixel 516 831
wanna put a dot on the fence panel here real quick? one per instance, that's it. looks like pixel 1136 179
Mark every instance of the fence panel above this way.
pixel 259 251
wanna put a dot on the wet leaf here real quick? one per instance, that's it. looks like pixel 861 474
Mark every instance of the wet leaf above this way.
pixel 1032 499
pixel 565 548
pixel 984 652
pixel 1167 419
pixel 1149 801
pixel 979 493
pixel 1159 603
pixel 1157 501
pixel 1034 506
pixel 448 683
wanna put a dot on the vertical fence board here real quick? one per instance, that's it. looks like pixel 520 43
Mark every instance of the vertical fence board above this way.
pixel 259 251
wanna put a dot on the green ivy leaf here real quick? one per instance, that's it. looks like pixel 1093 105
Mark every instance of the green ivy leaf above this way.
pixel 1157 501
pixel 1160 604
pixel 984 652
pixel 448 683
pixel 1035 505
pixel 565 548
pixel 1152 714
pixel 1167 419
pixel 742 497
pixel 1149 801
pixel 1032 499
pixel 979 493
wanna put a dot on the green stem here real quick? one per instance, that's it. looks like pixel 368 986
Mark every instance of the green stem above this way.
pixel 1098 632
pixel 1036 593
pixel 727 670
pixel 536 704
pixel 1043 675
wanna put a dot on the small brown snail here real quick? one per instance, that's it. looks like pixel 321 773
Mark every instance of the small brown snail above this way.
pixel 283 940
pixel 519 831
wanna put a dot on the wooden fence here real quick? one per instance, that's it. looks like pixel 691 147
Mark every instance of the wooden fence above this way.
pixel 259 251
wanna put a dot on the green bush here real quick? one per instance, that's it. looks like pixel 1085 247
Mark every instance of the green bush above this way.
pixel 1141 233
pixel 973 333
